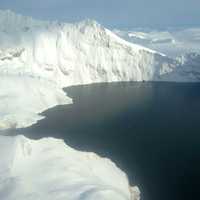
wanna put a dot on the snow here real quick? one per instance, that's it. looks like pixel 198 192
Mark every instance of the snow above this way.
pixel 172 42
pixel 72 54
pixel 49 169
pixel 38 59
pixel 21 98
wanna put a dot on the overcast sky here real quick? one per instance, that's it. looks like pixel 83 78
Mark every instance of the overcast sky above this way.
pixel 113 13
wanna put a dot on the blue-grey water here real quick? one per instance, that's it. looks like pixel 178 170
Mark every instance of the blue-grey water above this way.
pixel 151 130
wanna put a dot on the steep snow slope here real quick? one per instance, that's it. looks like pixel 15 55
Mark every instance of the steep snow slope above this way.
pixel 49 169
pixel 71 54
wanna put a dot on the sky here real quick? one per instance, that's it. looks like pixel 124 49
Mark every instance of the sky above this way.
pixel 113 13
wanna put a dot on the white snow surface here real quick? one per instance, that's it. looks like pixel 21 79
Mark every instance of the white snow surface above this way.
pixel 49 169
pixel 172 42
pixel 23 97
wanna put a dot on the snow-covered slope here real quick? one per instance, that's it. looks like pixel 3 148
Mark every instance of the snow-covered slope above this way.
pixel 181 44
pixel 71 54
pixel 37 59
pixel 22 98
pixel 48 169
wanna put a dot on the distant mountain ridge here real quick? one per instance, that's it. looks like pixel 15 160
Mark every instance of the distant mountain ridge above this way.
pixel 172 42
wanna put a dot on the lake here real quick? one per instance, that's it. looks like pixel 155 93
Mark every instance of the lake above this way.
pixel 150 130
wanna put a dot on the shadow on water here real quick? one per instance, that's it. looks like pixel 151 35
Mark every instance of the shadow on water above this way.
pixel 151 130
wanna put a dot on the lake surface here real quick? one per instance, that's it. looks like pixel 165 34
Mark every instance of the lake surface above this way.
pixel 151 131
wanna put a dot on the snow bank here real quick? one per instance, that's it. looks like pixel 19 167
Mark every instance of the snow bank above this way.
pixel 49 169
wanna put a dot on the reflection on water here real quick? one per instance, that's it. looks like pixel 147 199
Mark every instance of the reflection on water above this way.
pixel 151 130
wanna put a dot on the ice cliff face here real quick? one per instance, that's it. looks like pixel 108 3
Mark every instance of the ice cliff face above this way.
pixel 49 169
pixel 70 54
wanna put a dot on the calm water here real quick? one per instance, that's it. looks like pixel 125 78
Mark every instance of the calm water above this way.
pixel 151 130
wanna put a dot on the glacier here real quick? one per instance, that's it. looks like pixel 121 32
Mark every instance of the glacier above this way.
pixel 37 60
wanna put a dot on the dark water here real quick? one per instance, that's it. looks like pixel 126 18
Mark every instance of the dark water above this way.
pixel 151 130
